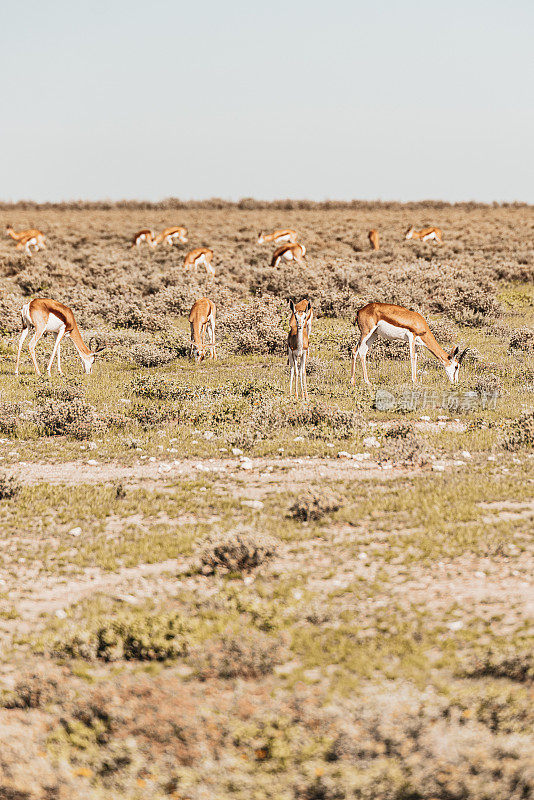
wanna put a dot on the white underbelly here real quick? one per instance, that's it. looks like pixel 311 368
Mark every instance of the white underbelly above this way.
pixel 392 332
pixel 54 324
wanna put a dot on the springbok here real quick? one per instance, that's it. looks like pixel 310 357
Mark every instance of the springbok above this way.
pixel 289 252
pixel 144 235
pixel 398 323
pixel 426 234
pixel 170 234
pixel 45 315
pixel 297 345
pixel 198 256
pixel 31 237
pixel 374 239
pixel 202 320
pixel 284 235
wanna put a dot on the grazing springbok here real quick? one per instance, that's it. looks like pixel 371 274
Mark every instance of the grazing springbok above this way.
pixel 374 239
pixel 426 234
pixel 198 256
pixel 202 320
pixel 297 345
pixel 31 237
pixel 144 235
pixel 45 315
pixel 289 252
pixel 398 323
pixel 284 235
pixel 170 234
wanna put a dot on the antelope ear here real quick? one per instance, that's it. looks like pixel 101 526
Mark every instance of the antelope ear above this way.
pixel 292 306
pixel 462 354
pixel 454 352
pixel 308 307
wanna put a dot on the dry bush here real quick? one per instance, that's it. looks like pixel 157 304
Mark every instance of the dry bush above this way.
pixel 253 327
pixel 9 418
pixel 403 445
pixel 147 355
pixel 9 487
pixel 37 688
pixel 235 552
pixel 129 636
pixel 314 505
pixel 519 433
pixel 516 665
pixel 151 416
pixel 522 339
pixel 74 418
pixel 245 654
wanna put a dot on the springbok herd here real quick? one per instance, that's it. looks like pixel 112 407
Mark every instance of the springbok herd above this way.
pixel 374 320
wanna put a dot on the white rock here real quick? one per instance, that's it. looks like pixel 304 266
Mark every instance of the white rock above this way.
pixel 256 504
pixel 164 467
pixel 298 439
pixel 426 419
pixel 236 451
pixel 91 445
pixel 75 532
pixel 438 467
pixel 465 454
pixel 246 465
pixel 297 594
pixel 208 434
pixel 480 574
pixel 93 462
pixel 371 441
pixel 344 454
pixel 361 456
pixel 127 598
pixel 152 458
pixel 60 613
pixel 248 579
pixel 362 556
pixel 456 625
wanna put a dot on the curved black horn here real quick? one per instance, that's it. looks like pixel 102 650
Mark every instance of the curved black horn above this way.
pixel 97 343
pixel 462 354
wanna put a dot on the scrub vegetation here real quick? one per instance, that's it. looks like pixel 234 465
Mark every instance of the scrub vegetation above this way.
pixel 209 590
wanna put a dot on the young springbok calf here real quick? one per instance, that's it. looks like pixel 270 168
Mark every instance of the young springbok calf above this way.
pixel 297 345
pixel 426 234
pixel 283 235
pixel 46 316
pixel 398 323
pixel 374 239
pixel 288 252
pixel 170 234
pixel 144 235
pixel 31 237
pixel 198 256
pixel 202 320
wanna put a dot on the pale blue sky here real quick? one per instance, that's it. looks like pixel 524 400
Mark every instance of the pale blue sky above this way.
pixel 377 100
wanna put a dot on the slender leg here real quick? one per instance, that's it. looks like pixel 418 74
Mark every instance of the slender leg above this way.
pixel 355 352
pixel 32 345
pixel 59 337
pixel 23 335
pixel 59 359
pixel 413 357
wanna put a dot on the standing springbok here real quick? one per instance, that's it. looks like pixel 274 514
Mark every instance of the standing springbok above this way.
pixel 202 320
pixel 31 237
pixel 170 234
pixel 297 345
pixel 426 234
pixel 198 256
pixel 374 239
pixel 398 323
pixel 144 235
pixel 45 315
pixel 283 235
pixel 289 252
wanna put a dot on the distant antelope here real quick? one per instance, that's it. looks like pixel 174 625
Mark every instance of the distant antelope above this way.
pixel 289 252
pixel 202 320
pixel 170 234
pixel 198 256
pixel 284 235
pixel 426 234
pixel 374 239
pixel 297 345
pixel 396 322
pixel 32 237
pixel 45 316
pixel 144 235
